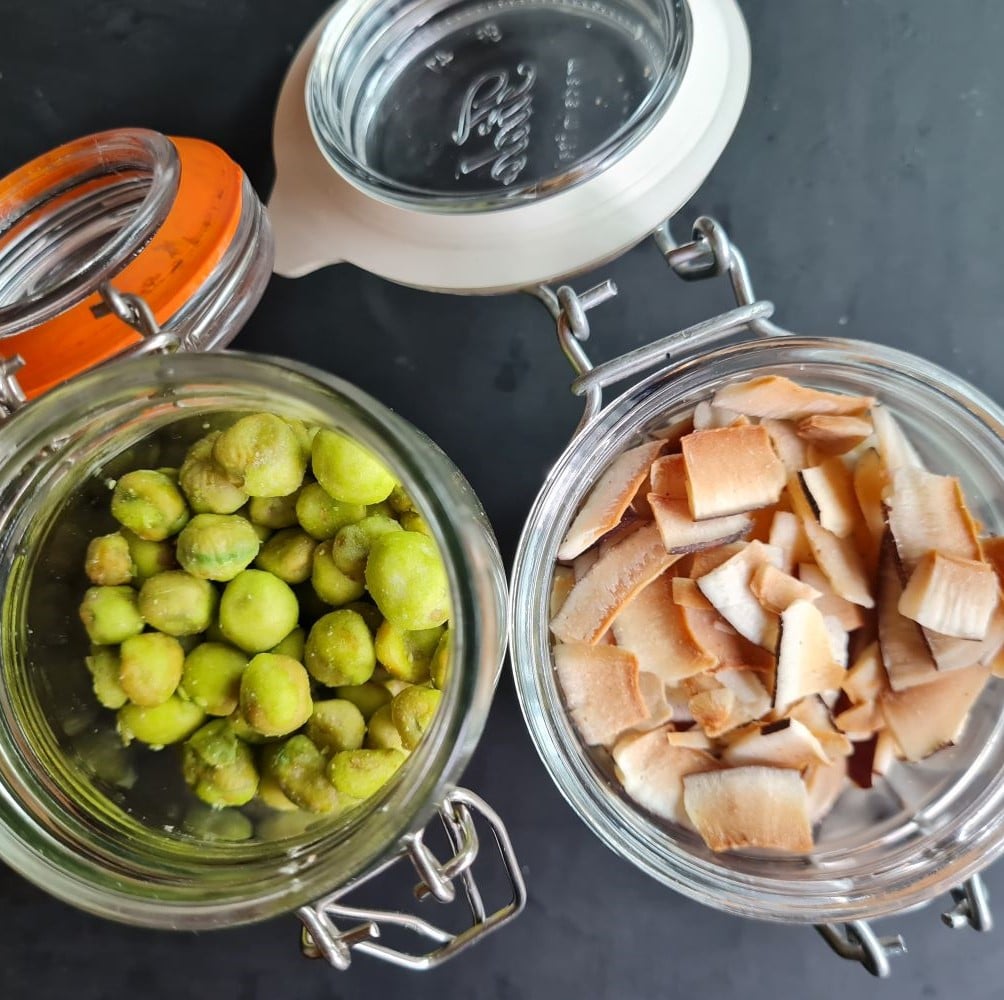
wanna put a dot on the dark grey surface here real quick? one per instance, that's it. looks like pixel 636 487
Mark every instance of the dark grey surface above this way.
pixel 864 185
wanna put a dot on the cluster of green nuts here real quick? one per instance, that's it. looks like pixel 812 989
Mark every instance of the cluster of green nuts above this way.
pixel 278 608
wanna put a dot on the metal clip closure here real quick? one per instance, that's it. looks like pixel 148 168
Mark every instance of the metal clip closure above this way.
pixel 857 942
pixel 12 396
pixel 972 906
pixel 322 938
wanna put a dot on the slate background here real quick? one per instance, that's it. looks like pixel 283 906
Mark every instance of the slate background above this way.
pixel 864 186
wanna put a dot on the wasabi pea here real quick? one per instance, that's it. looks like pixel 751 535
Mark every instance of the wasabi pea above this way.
pixel 339 649
pixel 348 471
pixel 412 712
pixel 150 669
pixel 367 697
pixel 411 520
pixel 244 730
pixel 399 501
pixel 219 767
pixel 271 795
pixel 217 824
pixel 178 603
pixel 407 655
pixel 304 434
pixel 299 769
pixel 406 577
pixel 257 611
pixel 263 533
pixel 149 558
pixel 212 677
pixel 289 555
pixel 149 504
pixel 292 646
pixel 108 562
pixel 321 515
pixel 362 773
pixel 394 686
pixel 261 454
pixel 285 825
pixel 382 509
pixel 161 725
pixel 336 725
pixel 351 546
pixel 274 513
pixel 329 582
pixel 103 663
pixel 275 694
pixel 110 615
pixel 217 546
pixel 370 614
pixel 205 485
pixel 439 667
pixel 381 733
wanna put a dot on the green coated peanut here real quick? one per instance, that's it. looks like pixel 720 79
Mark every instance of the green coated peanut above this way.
pixel 407 655
pixel 261 454
pixel 362 773
pixel 274 513
pixel 149 504
pixel 289 555
pixel 207 823
pixel 299 769
pixel 348 471
pixel 149 558
pixel 412 712
pixel 205 485
pixel 381 733
pixel 329 582
pixel 150 667
pixel 212 677
pixel 257 611
pixel 351 546
pixel 218 766
pixel 321 515
pixel 104 665
pixel 407 580
pixel 111 614
pixel 439 667
pixel 178 603
pixel 275 694
pixel 217 546
pixel 339 649
pixel 108 561
pixel 336 725
pixel 367 697
pixel 160 725
pixel 411 520
pixel 293 645
pixel 399 501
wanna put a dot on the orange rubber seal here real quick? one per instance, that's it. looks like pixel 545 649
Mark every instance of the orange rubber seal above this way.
pixel 167 273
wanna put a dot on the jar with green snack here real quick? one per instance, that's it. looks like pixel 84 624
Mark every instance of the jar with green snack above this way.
pixel 261 454
pixel 257 611
pixel 218 766
pixel 111 615
pixel 217 546
pixel 212 677
pixel 340 650
pixel 289 555
pixel 321 515
pixel 150 668
pixel 206 486
pixel 178 603
pixel 109 562
pixel 149 504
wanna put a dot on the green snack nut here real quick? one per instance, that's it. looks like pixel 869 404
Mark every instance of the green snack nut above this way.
pixel 329 582
pixel 370 612
pixel 217 546
pixel 439 667
pixel 245 731
pixel 322 516
pixel 382 509
pixel 257 611
pixel 111 615
pixel 406 655
pixel 178 603
pixel 274 512
pixel 368 697
pixel 263 533
pixel 217 824
pixel 275 694
pixel 412 712
pixel 336 725
pixel 212 677
pixel 399 501
pixel 351 546
pixel 161 725
pixel 205 485
pixel 348 471
pixel 285 825
pixel 340 650
pixel 395 686
pixel 381 733
pixel 292 645
pixel 149 504
pixel 406 577
pixel 261 454
pixel 149 558
pixel 103 663
pixel 362 773
pixel 304 434
pixel 150 669
pixel 411 520
pixel 108 562
pixel 271 795
pixel 299 770
pixel 218 766
pixel 289 555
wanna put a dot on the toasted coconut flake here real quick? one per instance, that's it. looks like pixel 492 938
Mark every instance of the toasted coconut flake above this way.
pixel 926 718
pixel 728 589
pixel 673 433
pixel 669 477
pixel 681 533
pixel 805 663
pixel 827 490
pixel 893 445
pixel 728 647
pixel 928 513
pixel 831 604
pixel 715 711
pixel 866 679
pixel 824 784
pixel 653 693
pixel 950 653
pixel 993 552
pixel 841 562
pixel 597 599
pixel 653 628
pixel 705 560
pixel 639 503
pixel 581 565
pixel 782 744
pixel 777 590
pixel 748 688
pixel 628 526
pixel 839 640
pixel 787 535
pixel 860 721
pixel 794 451
pixel 652 771
pixel 691 739
pixel 731 470
pixel 870 482
pixel 687 594
pixel 834 435
pixel 561 586
pixel 600 684
pixel 955 597
pixel 814 714
pixel 776 396
pixel 609 498
pixel 886 752
pixel 750 806
pixel 707 416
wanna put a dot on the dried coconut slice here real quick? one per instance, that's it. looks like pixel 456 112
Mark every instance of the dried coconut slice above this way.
pixel 826 493
pixel 628 526
pixel 777 590
pixel 993 552
pixel 834 435
pixel 707 416
pixel 581 565
pixel 886 753
pixel 673 433
pixel 597 599
pixel 794 451
pixel 840 640
pixel 779 397
pixel 561 586
pixel 690 739
pixel 653 693
pixel 831 604
pixel 893 445
pixel 682 534
pixel 866 679
pixel 653 628
pixel 652 771
pixel 955 597
pixel 748 688
pixel 731 470
pixel 860 721
pixel 600 685
pixel 870 481
pixel 669 477
pixel 824 784
pixel 687 594
pixel 841 562
pixel 786 534
pixel 705 560
pixel 609 498
pixel 814 714
pixel 805 663
pixel 750 806
pixel 780 744
pixel 931 716
pixel 950 653
pixel 728 647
